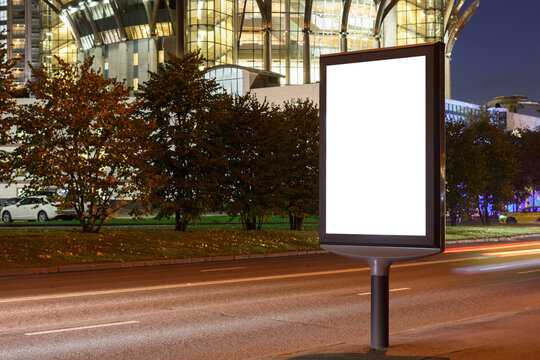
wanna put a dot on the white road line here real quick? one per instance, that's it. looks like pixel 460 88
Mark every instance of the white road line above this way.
pixel 224 269
pixel 207 283
pixel 400 289
pixel 369 292
pixel 81 328
pixel 528 272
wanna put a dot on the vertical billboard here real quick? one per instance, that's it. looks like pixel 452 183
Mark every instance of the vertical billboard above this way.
pixel 382 148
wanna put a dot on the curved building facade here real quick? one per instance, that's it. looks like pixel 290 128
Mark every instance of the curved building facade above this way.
pixel 130 37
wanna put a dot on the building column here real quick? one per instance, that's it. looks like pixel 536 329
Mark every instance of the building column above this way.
pixel 389 29
pixel 346 8
pixel 27 40
pixel 267 48
pixel 377 41
pixel 180 31
pixel 447 77
pixel 81 56
pixel 307 57
pixel 122 61
pixel 343 41
pixel 98 59
pixel 153 50
pixel 288 42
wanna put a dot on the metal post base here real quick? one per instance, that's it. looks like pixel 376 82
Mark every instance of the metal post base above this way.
pixel 380 270
pixel 379 312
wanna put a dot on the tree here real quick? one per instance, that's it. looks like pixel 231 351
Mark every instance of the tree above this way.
pixel 480 165
pixel 527 180
pixel 252 180
pixel 299 153
pixel 82 136
pixel 461 172
pixel 7 104
pixel 496 163
pixel 185 163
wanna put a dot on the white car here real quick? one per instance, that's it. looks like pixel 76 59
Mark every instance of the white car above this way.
pixel 34 208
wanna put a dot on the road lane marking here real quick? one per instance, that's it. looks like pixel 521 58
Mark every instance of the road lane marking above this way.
pixel 224 269
pixel 215 282
pixel 528 272
pixel 81 328
pixel 391 290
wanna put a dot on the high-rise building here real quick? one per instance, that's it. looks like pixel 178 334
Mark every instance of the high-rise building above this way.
pixel 20 20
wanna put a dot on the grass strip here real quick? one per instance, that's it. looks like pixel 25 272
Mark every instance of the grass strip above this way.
pixel 47 247
pixel 38 247
pixel 462 232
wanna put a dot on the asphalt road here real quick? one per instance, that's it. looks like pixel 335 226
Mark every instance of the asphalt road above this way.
pixel 250 309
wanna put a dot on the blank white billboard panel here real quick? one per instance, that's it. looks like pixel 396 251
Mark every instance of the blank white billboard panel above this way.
pixel 376 147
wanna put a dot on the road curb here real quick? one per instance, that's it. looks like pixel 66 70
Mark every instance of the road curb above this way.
pixel 495 239
pixel 146 263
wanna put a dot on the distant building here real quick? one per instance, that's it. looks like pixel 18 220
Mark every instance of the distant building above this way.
pixel 20 20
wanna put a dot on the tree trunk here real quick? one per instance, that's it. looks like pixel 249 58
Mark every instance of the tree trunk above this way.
pixel 481 215
pixel 295 222
pixel 179 223
pixel 453 219
pixel 250 223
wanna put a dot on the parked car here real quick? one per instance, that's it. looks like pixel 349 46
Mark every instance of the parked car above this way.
pixel 527 215
pixel 12 201
pixel 35 208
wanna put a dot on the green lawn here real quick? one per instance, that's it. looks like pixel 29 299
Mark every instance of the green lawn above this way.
pixel 36 247
pixel 494 231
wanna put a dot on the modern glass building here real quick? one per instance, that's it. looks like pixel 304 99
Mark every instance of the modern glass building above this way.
pixel 285 37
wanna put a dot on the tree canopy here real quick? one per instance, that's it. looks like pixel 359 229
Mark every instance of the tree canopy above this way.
pixel 82 136
pixel 7 104
pixel 252 180
pixel 184 166
pixel 299 153
pixel 481 165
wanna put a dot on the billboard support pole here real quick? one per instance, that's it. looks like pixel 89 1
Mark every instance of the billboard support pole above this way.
pixel 380 269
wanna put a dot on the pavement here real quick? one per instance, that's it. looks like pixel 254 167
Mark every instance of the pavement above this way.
pixel 492 337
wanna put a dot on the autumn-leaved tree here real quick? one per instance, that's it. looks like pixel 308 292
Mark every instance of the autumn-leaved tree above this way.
pixel 7 105
pixel 185 166
pixel 299 160
pixel 81 135
pixel 252 181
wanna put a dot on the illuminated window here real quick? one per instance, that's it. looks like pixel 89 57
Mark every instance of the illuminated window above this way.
pixel 161 56
pixel 135 59
pixel 135 83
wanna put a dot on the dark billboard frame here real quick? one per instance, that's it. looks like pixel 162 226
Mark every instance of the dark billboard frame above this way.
pixel 435 156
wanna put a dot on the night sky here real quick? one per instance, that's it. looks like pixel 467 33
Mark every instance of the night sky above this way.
pixel 498 53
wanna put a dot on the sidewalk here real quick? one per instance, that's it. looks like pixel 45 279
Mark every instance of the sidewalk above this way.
pixel 512 335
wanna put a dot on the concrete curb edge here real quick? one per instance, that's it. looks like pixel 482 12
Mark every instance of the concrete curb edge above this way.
pixel 145 263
